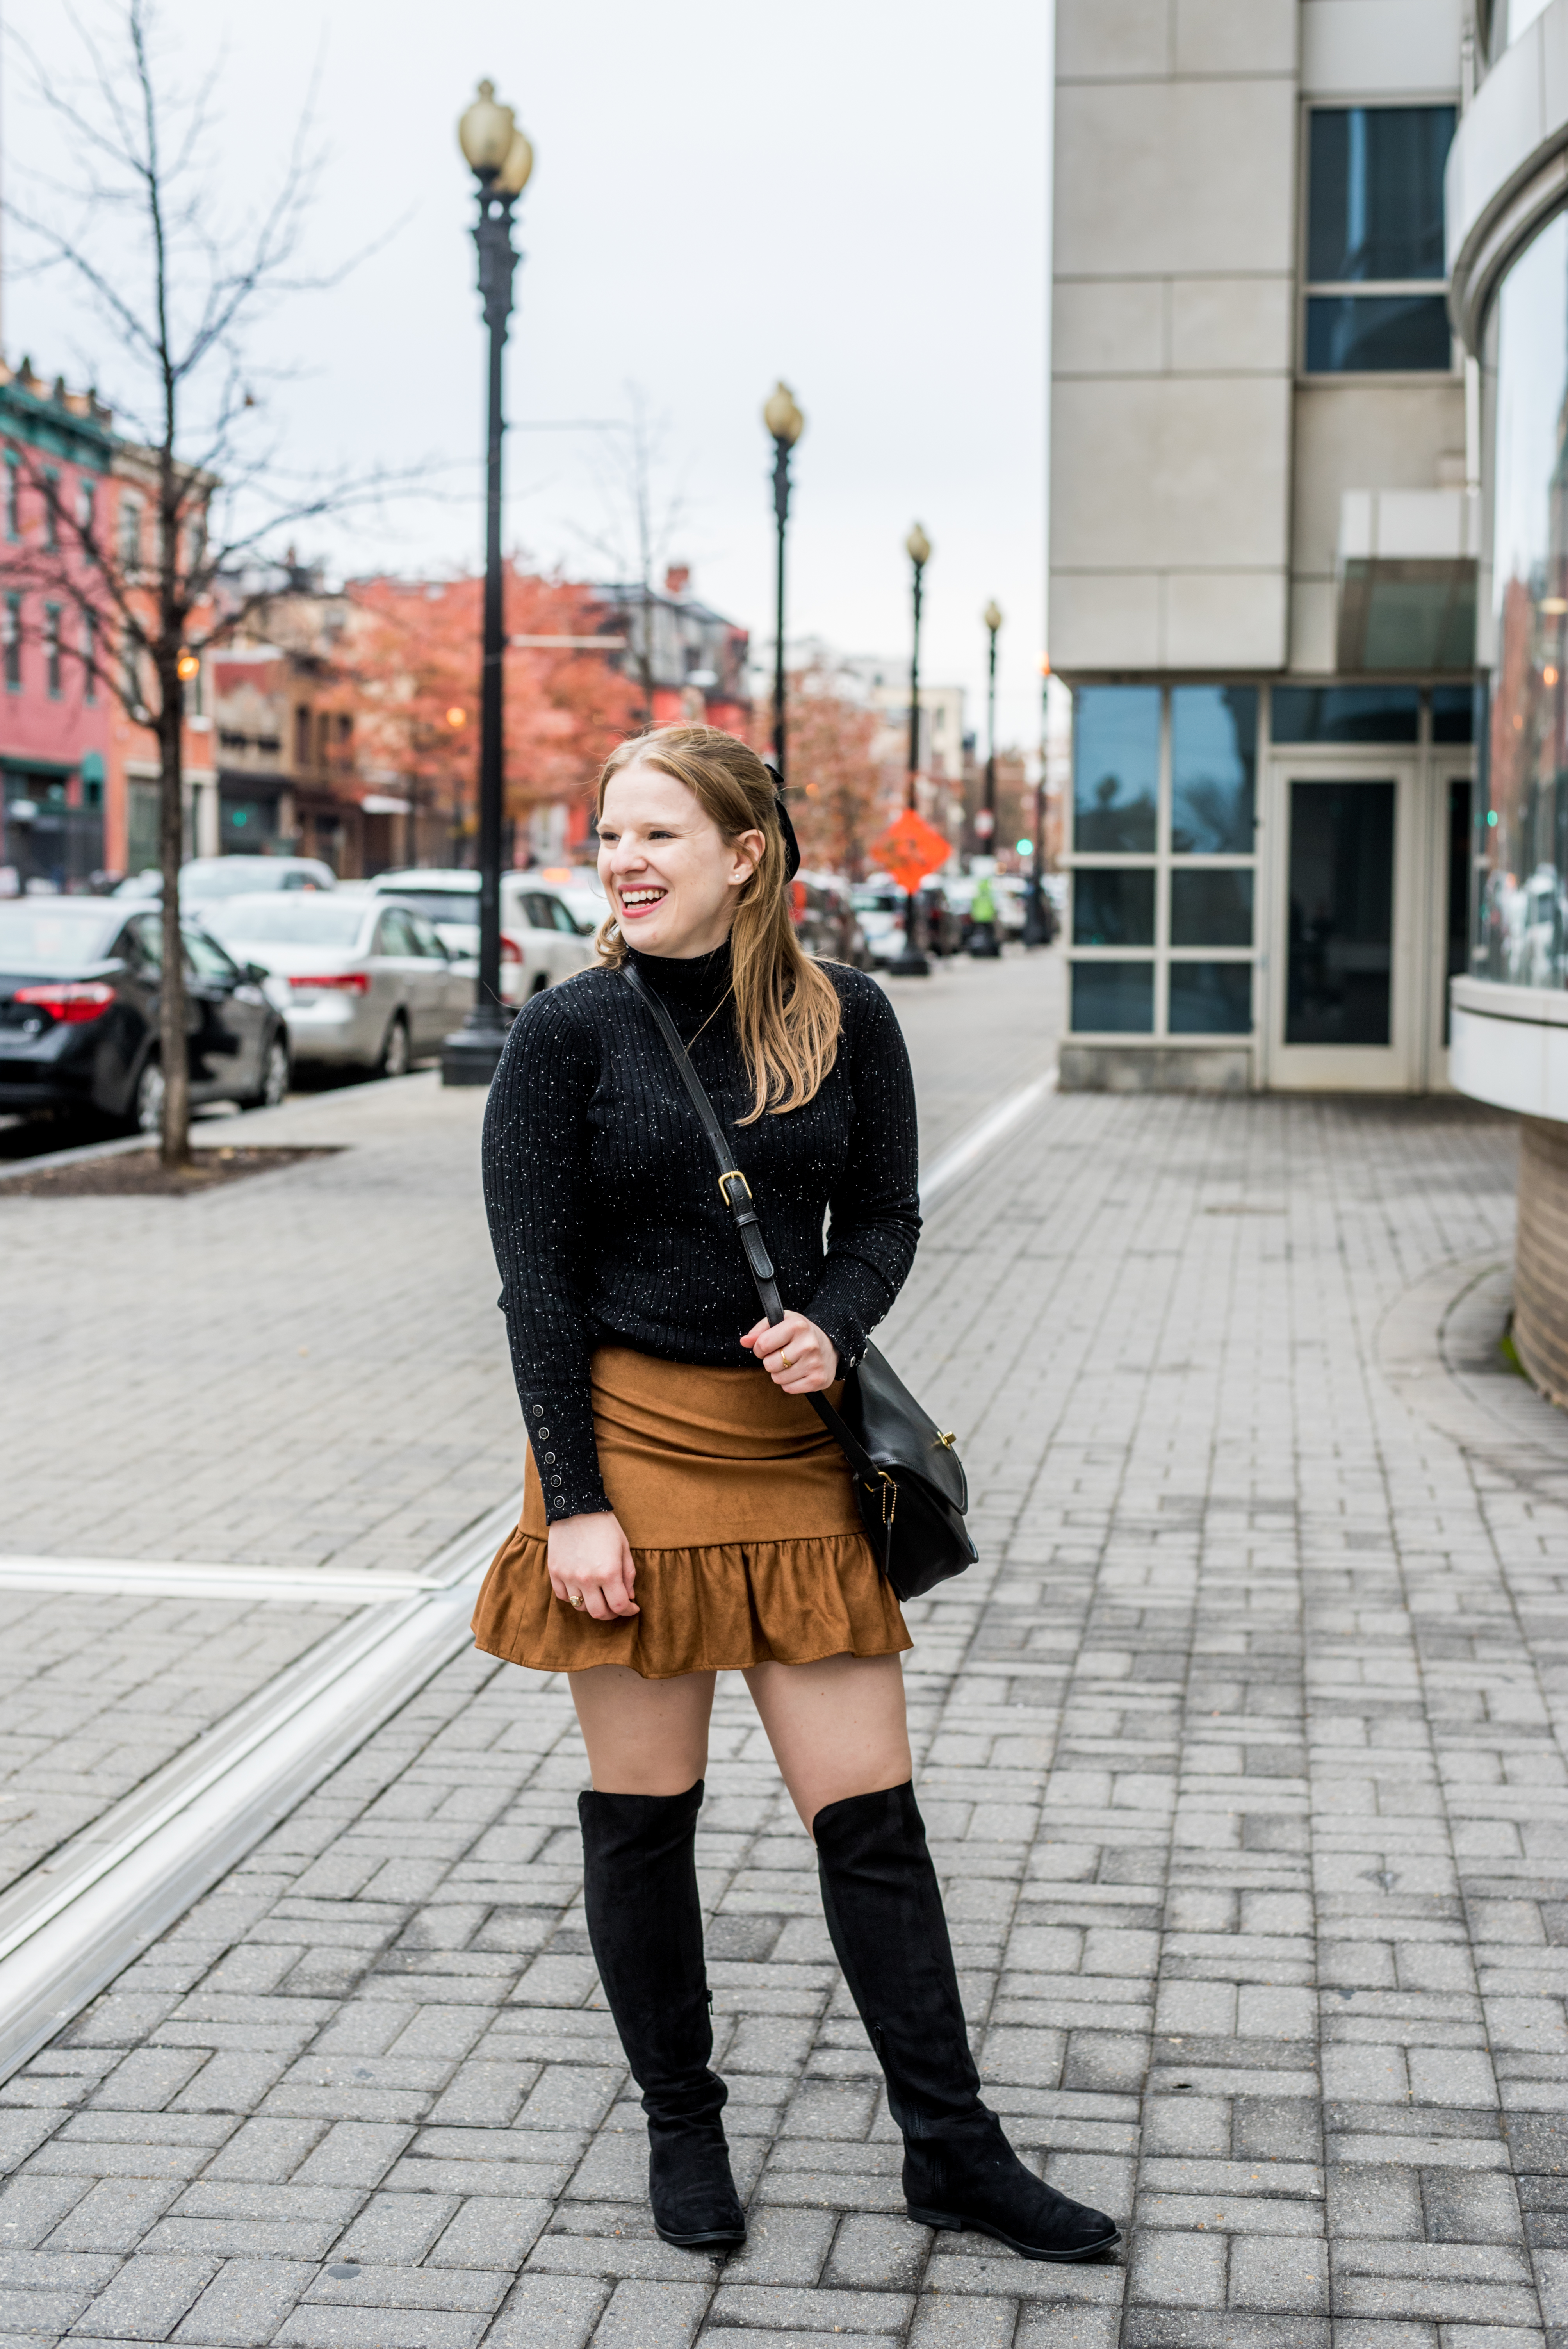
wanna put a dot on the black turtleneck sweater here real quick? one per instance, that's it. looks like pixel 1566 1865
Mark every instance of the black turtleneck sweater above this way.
pixel 605 1209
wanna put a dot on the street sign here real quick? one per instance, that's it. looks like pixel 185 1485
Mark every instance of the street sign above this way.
pixel 910 849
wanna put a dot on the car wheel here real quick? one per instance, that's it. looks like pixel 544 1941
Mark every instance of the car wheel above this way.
pixel 274 1076
pixel 146 1103
pixel 395 1060
pixel 539 984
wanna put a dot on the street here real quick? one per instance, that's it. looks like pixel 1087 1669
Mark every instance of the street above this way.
pixel 1240 1751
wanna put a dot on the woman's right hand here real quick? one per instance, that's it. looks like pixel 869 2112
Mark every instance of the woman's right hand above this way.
pixel 590 1558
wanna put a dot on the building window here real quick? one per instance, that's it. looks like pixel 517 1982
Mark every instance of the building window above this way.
pixel 87 505
pixel 89 658
pixel 52 651
pixel 129 674
pixel 1163 860
pixel 11 643
pixel 12 494
pixel 131 533
pixel 1520 933
pixel 1374 240
pixel 1345 713
pixel 51 508
pixel 302 738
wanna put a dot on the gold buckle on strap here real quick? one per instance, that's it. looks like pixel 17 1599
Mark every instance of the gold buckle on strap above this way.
pixel 732 1174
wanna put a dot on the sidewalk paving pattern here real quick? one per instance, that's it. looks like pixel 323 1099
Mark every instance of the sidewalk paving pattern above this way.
pixel 1242 1755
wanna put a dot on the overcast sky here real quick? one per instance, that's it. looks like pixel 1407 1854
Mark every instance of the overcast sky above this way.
pixel 852 195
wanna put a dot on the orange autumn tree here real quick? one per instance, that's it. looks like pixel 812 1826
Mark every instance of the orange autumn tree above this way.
pixel 839 798
pixel 413 650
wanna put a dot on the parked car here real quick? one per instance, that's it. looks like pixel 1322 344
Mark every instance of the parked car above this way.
pixel 363 979
pixel 822 910
pixel 879 910
pixel 79 983
pixel 542 939
pixel 204 878
pixel 583 891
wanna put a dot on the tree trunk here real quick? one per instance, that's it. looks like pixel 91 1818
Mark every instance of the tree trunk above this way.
pixel 173 1047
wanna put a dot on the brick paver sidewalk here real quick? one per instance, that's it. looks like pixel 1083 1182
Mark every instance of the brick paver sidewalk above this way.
pixel 1241 1757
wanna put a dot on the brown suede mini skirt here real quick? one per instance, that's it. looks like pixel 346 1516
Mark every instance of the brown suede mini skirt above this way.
pixel 738 1508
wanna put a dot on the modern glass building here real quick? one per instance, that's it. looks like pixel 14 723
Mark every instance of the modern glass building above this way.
pixel 1508 263
pixel 1265 541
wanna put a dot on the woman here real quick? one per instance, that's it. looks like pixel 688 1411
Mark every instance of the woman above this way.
pixel 684 1516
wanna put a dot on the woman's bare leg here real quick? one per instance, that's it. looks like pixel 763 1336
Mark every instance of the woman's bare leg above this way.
pixel 643 1738
pixel 837 1728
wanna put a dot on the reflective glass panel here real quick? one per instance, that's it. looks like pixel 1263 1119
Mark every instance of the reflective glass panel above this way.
pixel 1523 838
pixel 1346 713
pixel 1453 713
pixel 1211 909
pixel 1115 767
pixel 1113 909
pixel 1377 334
pixel 1375 206
pixel 1214 768
pixel 1341 913
pixel 1113 997
pixel 1210 999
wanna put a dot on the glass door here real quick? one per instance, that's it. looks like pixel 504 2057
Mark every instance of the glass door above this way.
pixel 1344 925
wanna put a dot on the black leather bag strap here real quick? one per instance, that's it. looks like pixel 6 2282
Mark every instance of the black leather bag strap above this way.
pixel 736 1192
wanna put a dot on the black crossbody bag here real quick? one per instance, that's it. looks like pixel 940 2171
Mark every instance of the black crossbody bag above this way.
pixel 909 1482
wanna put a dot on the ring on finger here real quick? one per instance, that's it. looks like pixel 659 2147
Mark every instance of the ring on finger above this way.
pixel 787 1363
pixel 575 1596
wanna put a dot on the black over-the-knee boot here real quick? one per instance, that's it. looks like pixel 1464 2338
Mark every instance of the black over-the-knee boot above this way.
pixel 883 1908
pixel 639 1887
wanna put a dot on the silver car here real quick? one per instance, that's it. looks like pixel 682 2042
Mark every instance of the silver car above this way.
pixel 541 938
pixel 361 980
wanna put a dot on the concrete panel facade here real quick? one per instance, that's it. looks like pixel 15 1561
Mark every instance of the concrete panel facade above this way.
pixel 1172 331
pixel 1367 48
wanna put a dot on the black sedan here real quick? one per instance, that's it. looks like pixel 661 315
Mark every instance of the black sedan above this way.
pixel 80 980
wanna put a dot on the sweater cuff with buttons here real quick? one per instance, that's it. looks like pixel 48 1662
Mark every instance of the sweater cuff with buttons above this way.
pixel 560 1426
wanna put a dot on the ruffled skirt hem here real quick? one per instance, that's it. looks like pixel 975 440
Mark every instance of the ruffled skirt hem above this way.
pixel 719 1609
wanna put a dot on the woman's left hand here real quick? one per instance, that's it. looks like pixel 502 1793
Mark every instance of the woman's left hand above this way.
pixel 796 1354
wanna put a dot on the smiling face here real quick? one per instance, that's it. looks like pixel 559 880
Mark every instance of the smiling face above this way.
pixel 671 877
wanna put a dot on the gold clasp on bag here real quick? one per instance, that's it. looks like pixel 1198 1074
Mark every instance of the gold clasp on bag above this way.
pixel 949 1439
pixel 732 1174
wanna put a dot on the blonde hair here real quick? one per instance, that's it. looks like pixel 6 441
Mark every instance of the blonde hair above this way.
pixel 786 1010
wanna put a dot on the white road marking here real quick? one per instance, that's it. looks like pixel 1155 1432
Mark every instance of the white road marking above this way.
pixel 964 1154
pixel 79 1919
pixel 181 1578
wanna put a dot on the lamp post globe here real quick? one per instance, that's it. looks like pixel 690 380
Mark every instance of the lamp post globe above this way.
pixel 913 963
pixel 501 160
pixel 784 421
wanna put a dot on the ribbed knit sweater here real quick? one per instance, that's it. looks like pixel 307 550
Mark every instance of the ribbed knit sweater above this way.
pixel 604 1208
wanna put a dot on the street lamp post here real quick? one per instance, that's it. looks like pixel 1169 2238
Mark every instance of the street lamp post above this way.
pixel 786 423
pixel 1037 929
pixel 986 825
pixel 912 963
pixel 501 160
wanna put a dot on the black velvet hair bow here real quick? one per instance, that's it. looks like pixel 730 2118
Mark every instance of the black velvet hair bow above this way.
pixel 791 846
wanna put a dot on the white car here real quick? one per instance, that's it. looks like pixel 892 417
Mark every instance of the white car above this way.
pixel 542 939
pixel 204 878
pixel 360 979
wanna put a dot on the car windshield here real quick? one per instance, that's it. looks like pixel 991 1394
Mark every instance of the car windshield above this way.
pixel 442 905
pixel 291 918
pixel 54 934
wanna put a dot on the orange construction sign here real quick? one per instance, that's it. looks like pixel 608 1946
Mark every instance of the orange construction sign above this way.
pixel 910 849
